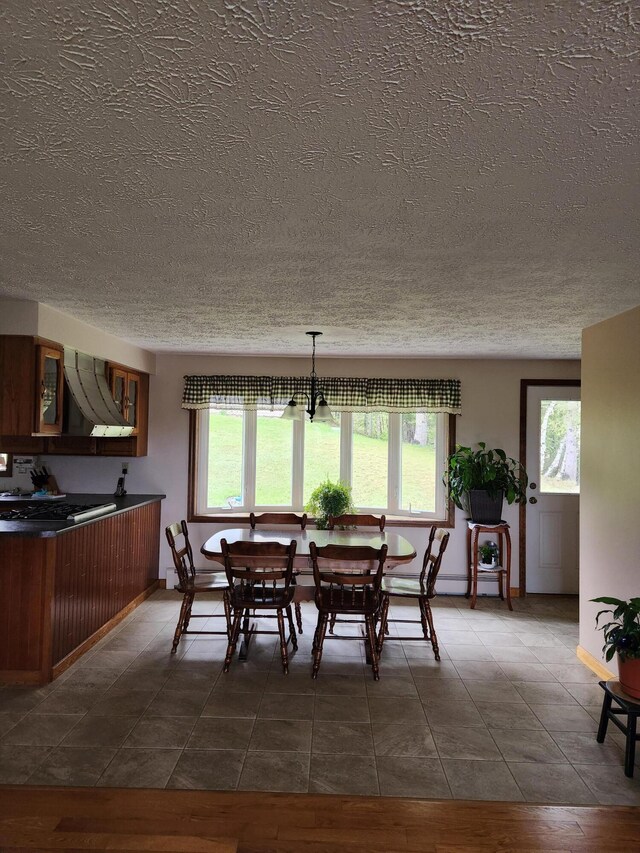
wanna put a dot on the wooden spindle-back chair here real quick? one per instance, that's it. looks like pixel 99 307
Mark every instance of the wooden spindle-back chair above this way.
pixel 260 577
pixel 359 519
pixel 191 582
pixel 422 588
pixel 347 582
pixel 278 518
pixel 356 520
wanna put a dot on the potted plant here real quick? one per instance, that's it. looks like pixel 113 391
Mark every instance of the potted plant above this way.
pixel 479 481
pixel 488 553
pixel 622 637
pixel 329 499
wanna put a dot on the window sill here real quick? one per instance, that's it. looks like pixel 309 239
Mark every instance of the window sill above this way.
pixel 242 518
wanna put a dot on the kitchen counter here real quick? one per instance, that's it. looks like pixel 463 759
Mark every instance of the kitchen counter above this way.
pixel 65 584
pixel 25 527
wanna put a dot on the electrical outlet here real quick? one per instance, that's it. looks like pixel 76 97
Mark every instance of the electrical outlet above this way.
pixel 23 464
pixel 125 467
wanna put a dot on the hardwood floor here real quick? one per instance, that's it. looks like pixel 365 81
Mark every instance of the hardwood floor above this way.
pixel 33 818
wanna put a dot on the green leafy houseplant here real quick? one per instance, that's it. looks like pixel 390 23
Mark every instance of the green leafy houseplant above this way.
pixel 487 553
pixel 490 471
pixel 621 635
pixel 329 499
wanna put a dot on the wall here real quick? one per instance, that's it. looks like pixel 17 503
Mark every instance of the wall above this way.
pixel 610 468
pixel 490 405
pixel 24 317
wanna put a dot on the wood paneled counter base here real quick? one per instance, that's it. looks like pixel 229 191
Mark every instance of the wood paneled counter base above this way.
pixel 61 594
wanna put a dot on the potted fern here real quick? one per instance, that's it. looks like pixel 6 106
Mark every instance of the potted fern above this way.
pixel 329 499
pixel 479 481
pixel 622 637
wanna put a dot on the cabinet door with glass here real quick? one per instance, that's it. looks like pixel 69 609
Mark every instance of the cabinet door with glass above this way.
pixel 125 388
pixel 49 390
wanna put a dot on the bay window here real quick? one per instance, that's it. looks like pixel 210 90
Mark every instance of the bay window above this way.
pixel 245 457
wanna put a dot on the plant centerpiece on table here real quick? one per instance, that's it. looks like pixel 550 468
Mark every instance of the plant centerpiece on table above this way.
pixel 622 637
pixel 479 481
pixel 329 499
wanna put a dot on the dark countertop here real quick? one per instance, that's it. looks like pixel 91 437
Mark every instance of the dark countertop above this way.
pixel 56 528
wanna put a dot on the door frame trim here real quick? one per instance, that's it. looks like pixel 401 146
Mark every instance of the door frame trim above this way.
pixel 525 384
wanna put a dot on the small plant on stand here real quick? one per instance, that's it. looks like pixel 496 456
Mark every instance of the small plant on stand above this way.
pixel 488 552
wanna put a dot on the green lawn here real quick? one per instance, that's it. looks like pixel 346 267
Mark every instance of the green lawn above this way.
pixel 322 448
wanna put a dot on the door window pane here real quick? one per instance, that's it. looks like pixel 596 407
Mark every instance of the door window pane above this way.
pixel 560 446
pixel 224 488
pixel 369 459
pixel 418 480
pixel 274 455
pixel 321 455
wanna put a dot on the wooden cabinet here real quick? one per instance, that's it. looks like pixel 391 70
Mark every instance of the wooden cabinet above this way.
pixel 130 390
pixel 32 403
pixel 31 392
pixel 125 388
pixel 49 390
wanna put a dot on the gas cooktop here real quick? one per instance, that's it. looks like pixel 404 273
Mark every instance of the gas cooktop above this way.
pixel 56 512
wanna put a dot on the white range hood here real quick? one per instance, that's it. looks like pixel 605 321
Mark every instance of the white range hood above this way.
pixel 98 414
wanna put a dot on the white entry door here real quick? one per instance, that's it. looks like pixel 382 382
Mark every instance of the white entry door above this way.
pixel 553 465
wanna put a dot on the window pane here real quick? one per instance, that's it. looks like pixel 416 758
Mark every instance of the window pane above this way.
pixel 560 446
pixel 369 457
pixel 274 456
pixel 224 488
pixel 418 483
pixel 321 455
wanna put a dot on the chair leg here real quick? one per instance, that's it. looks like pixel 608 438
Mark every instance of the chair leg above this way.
pixel 227 611
pixel 371 633
pixel 187 615
pixel 298 610
pixel 179 626
pixel 432 630
pixel 233 639
pixel 604 718
pixel 292 630
pixel 384 627
pixel 332 623
pixel 424 620
pixel 321 630
pixel 316 634
pixel 283 642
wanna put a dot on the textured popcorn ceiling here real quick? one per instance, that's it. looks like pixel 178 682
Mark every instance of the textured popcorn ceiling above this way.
pixel 413 177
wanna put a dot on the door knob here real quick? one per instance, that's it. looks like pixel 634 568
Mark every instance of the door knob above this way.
pixel 533 500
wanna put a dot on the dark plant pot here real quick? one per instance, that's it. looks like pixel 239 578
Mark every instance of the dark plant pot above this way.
pixel 485 508
pixel 629 674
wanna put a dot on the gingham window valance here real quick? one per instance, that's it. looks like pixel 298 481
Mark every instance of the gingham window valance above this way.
pixel 342 395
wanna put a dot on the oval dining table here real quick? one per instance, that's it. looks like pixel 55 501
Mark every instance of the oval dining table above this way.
pixel 399 551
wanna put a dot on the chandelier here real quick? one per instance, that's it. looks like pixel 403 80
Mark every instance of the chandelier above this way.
pixel 317 406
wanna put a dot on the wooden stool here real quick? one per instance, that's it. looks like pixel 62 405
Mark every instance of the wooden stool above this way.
pixel 502 571
pixel 631 707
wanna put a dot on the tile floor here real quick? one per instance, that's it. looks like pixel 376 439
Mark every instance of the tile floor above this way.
pixel 508 714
